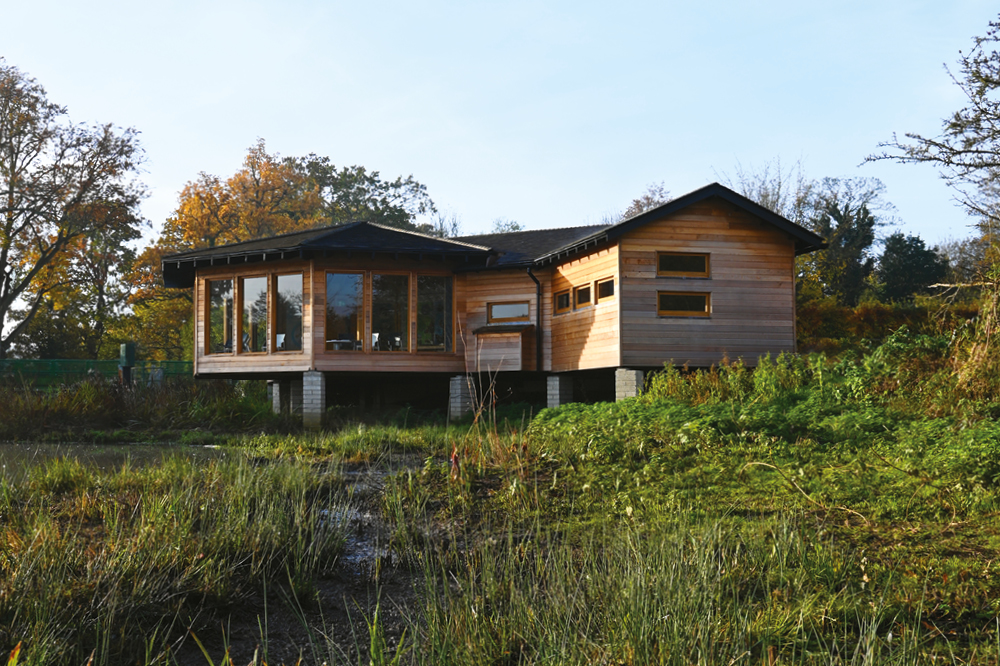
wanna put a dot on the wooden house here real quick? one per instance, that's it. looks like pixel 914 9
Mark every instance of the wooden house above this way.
pixel 707 276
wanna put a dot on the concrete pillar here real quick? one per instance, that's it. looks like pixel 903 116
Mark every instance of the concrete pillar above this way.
pixel 459 396
pixel 559 390
pixel 295 396
pixel 313 399
pixel 628 383
pixel 281 392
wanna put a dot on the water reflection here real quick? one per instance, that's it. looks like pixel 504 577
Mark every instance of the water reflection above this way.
pixel 17 459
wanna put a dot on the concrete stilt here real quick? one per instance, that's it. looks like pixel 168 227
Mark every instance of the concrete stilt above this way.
pixel 559 390
pixel 313 399
pixel 459 397
pixel 628 383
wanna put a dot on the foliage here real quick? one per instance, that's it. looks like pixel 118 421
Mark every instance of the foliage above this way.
pixel 504 226
pixel 908 267
pixel 656 195
pixel 68 203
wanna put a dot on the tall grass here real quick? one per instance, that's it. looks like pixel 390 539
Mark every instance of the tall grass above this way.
pixel 95 562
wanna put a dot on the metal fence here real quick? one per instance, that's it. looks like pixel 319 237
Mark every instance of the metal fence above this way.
pixel 67 371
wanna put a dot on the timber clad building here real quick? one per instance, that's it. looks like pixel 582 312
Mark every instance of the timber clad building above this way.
pixel 707 276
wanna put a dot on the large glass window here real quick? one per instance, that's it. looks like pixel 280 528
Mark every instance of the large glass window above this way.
pixel 390 312
pixel 434 319
pixel 220 316
pixel 253 314
pixel 288 313
pixel 345 320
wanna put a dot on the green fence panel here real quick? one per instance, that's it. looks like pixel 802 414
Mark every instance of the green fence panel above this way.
pixel 46 372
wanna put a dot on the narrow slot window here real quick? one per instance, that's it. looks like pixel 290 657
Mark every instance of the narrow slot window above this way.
pixel 682 264
pixel 390 313
pixel 288 313
pixel 498 313
pixel 683 304
pixel 562 302
pixel 345 319
pixel 221 322
pixel 581 297
pixel 434 315
pixel 253 314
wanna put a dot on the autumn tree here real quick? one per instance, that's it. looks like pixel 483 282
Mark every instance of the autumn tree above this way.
pixel 59 183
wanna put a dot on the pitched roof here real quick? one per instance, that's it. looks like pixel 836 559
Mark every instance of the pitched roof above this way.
pixel 368 237
pixel 506 250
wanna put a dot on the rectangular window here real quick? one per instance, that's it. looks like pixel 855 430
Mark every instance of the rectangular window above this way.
pixel 390 312
pixel 434 320
pixel 682 264
pixel 581 297
pixel 683 304
pixel 288 312
pixel 345 321
pixel 605 289
pixel 253 314
pixel 220 316
pixel 498 313
pixel 562 302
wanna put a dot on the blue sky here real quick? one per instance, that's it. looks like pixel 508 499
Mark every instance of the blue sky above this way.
pixel 547 113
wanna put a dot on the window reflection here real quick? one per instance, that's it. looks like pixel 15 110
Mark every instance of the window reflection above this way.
pixel 288 313
pixel 434 317
pixel 253 314
pixel 390 312
pixel 344 314
pixel 220 316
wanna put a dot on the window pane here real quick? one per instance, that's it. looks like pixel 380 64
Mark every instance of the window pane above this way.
pixel 693 264
pixel 344 318
pixel 390 312
pixel 434 313
pixel 582 296
pixel 562 301
pixel 220 316
pixel 288 313
pixel 692 304
pixel 253 314
pixel 605 289
pixel 508 312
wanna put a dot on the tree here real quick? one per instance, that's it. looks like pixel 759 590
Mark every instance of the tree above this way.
pixel 907 267
pixel 502 225
pixel 59 183
pixel 968 149
pixel 788 193
pixel 656 195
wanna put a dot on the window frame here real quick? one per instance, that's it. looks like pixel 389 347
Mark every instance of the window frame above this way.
pixel 556 310
pixel 273 316
pixel 411 286
pixel 597 290
pixel 361 313
pixel 707 295
pixel 706 274
pixel 576 296
pixel 490 319
pixel 450 345
pixel 238 297
pixel 208 314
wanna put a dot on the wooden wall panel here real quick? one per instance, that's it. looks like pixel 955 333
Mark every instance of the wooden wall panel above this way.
pixel 751 284
pixel 589 337
pixel 480 289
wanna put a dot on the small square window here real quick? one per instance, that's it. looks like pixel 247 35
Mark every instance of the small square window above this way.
pixel 605 289
pixel 581 297
pixel 682 264
pixel 562 303
pixel 683 304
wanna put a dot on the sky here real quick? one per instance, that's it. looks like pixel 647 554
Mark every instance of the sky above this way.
pixel 550 114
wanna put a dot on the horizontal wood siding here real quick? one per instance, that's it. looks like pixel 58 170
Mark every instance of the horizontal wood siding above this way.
pixel 751 285
pixel 586 338
pixel 499 286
